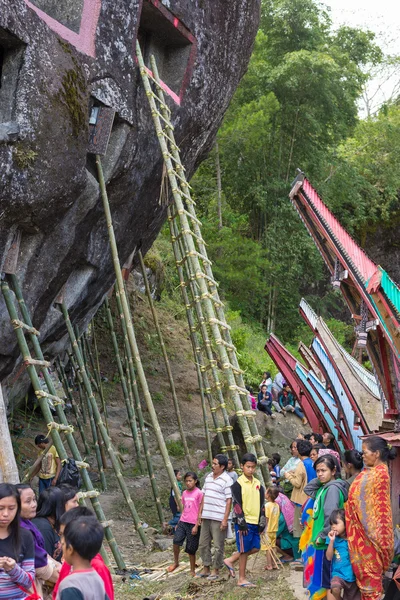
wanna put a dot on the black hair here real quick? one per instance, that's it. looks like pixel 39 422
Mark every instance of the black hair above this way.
pixel 41 439
pixel 354 457
pixel 75 513
pixel 307 436
pixel 51 504
pixel 248 457
pixel 291 445
pixel 277 457
pixel 222 460
pixel 176 471
pixel 68 492
pixel 271 462
pixel 194 476
pixel 304 447
pixel 317 437
pixel 331 436
pixel 319 446
pixel 337 515
pixel 272 492
pixel 23 486
pixel 327 460
pixel 233 461
pixel 268 374
pixel 378 444
pixel 7 490
pixel 85 535
pixel 264 386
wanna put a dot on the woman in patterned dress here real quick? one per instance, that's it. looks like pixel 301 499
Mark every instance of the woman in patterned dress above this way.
pixel 369 519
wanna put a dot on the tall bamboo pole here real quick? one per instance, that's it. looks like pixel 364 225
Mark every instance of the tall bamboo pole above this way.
pixel 110 448
pixel 166 361
pixel 132 384
pixel 55 435
pixel 132 339
pixel 95 366
pixel 129 407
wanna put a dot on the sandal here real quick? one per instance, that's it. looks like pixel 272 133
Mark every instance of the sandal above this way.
pixel 230 569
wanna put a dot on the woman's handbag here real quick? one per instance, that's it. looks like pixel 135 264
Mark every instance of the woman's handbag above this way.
pixel 31 596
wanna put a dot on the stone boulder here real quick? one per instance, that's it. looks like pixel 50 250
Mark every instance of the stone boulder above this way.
pixel 57 61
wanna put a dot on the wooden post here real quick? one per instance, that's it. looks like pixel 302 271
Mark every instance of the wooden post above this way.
pixel 8 465
pixel 166 361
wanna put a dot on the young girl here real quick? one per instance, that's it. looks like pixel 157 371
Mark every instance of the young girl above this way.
pixel 187 527
pixel 272 513
pixel 17 554
pixel 51 507
pixel 342 576
pixel 271 469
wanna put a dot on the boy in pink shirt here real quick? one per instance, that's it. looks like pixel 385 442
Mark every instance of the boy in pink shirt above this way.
pixel 188 527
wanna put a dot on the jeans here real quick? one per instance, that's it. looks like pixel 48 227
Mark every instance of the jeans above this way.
pixel 211 532
pixel 294 409
pixel 264 408
pixel 276 406
pixel 44 484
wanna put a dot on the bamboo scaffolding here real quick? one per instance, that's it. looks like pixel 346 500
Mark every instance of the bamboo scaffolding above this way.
pixel 95 366
pixel 64 380
pixel 54 433
pixel 132 385
pixel 96 413
pixel 128 404
pixel 166 361
pixel 197 260
pixel 132 339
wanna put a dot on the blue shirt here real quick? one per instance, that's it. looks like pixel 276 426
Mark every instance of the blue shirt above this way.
pixel 341 565
pixel 309 467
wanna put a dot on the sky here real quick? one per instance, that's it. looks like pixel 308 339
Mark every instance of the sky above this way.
pixel 383 18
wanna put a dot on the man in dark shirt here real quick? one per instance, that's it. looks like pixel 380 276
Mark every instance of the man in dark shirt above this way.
pixel 287 402
pixel 264 402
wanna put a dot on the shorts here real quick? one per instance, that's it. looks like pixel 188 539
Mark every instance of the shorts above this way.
pixel 183 532
pixel 247 542
pixel 350 589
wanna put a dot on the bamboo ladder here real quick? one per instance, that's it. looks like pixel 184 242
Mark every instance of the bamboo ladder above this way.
pixel 24 328
pixel 194 257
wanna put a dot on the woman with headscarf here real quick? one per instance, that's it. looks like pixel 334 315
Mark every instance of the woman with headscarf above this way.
pixel 369 519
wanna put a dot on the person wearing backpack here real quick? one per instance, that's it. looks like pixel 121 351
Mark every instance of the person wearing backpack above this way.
pixel 49 466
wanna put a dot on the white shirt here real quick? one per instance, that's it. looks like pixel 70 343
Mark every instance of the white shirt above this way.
pixel 216 492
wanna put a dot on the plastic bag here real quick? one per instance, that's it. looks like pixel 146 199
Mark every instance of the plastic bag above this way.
pixel 70 474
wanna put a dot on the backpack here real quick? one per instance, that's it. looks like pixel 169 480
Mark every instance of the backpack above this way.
pixel 70 474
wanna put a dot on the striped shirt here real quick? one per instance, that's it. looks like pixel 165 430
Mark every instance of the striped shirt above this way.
pixel 24 571
pixel 216 492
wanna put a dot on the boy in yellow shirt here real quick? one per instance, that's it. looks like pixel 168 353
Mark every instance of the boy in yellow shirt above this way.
pixel 48 464
pixel 272 512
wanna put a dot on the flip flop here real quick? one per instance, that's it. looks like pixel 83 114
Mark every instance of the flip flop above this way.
pixel 230 569
pixel 287 560
pixel 201 575
pixel 248 585
pixel 172 568
pixel 212 577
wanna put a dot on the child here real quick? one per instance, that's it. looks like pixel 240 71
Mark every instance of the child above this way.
pixel 81 541
pixel 172 502
pixel 272 513
pixel 272 472
pixel 277 458
pixel 48 465
pixel 97 562
pixel 248 510
pixel 17 553
pixel 187 527
pixel 342 577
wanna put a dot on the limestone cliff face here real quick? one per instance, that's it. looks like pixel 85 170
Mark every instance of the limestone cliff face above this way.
pixel 57 60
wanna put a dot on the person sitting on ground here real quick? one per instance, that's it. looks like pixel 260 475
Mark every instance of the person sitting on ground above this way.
pixel 97 563
pixel 315 438
pixel 307 461
pixel 342 575
pixel 17 562
pixel 287 403
pixel 315 450
pixel 298 479
pixel 82 540
pixel 51 507
pixel 328 441
pixel 266 380
pixel 249 516
pixel 213 516
pixel 188 526
pixel 277 458
pixel 264 403
pixel 172 502
pixel 272 473
pixel 46 569
pixel 353 464
pixel 272 513
pixel 48 464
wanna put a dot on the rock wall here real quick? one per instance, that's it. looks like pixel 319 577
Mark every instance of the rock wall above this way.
pixel 55 65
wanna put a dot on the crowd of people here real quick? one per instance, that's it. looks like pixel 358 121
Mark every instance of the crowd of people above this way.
pixel 327 513
pixel 276 397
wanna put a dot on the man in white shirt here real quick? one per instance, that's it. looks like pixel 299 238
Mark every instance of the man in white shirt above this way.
pixel 213 516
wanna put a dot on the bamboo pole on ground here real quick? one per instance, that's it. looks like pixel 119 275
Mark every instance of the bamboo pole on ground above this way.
pixel 110 448
pixel 8 465
pixel 132 339
pixel 129 406
pixel 55 435
pixel 166 361
pixel 63 378
pixel 132 384
pixel 95 365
